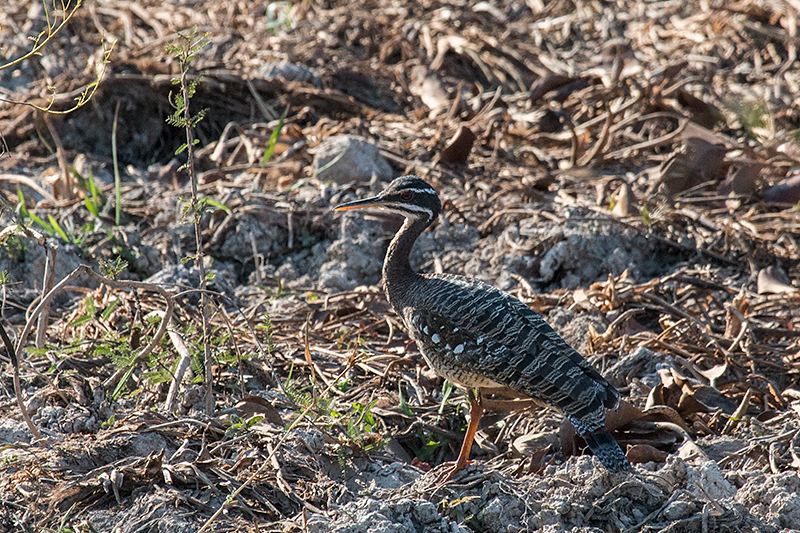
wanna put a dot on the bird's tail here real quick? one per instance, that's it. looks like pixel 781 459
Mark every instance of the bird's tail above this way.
pixel 607 450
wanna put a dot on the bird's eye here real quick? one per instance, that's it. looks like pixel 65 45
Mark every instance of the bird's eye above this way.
pixel 406 195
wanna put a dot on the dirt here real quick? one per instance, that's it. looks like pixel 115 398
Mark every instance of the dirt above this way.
pixel 630 178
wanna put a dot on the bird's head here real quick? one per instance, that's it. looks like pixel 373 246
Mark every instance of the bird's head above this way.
pixel 409 196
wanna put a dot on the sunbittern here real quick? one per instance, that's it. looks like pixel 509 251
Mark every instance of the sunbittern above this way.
pixel 480 337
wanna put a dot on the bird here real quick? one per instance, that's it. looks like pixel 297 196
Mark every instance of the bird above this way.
pixel 481 338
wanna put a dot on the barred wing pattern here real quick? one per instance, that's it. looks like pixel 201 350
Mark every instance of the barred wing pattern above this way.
pixel 478 336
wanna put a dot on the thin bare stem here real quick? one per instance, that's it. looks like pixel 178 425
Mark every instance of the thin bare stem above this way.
pixel 117 185
pixel 51 254
pixel 12 353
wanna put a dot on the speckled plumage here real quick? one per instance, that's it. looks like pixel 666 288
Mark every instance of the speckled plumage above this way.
pixel 481 337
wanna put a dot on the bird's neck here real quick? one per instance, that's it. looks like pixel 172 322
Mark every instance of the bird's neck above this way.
pixel 397 271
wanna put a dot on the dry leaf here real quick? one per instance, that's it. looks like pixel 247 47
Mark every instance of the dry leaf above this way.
pixel 571 442
pixel 542 86
pixel 622 203
pixel 696 162
pixel 427 87
pixel 458 149
pixel 736 309
pixel 644 453
pixel 714 373
pixel 527 445
pixel 250 405
pixel 702 112
pixel 742 178
pixel 688 405
pixel 713 399
pixel 773 280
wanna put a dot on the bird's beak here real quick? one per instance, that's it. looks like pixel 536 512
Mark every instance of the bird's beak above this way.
pixel 375 201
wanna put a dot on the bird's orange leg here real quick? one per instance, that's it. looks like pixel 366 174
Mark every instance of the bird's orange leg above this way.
pixel 475 413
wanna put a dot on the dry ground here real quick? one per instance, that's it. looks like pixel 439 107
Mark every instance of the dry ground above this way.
pixel 631 170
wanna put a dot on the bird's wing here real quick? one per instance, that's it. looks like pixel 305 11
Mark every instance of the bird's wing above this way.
pixel 492 334
pixel 555 343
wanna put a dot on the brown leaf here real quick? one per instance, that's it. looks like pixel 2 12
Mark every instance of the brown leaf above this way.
pixel 737 308
pixel 537 464
pixel 656 396
pixel 571 442
pixel 696 162
pixel 458 149
pixel 256 404
pixel 644 453
pixel 702 112
pixel 688 405
pixel 773 280
pixel 542 86
pixel 742 178
pixel 528 445
pixel 622 415
pixel 713 399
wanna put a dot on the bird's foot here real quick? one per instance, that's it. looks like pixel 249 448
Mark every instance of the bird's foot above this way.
pixel 444 473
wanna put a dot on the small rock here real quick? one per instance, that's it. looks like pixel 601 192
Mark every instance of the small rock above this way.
pixel 13 432
pixel 786 507
pixel 425 513
pixel 679 509
pixel 641 359
pixel 313 439
pixel 492 511
pixel 709 477
pixel 289 72
pixel 356 160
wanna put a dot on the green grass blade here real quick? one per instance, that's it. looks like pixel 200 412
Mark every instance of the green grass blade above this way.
pixel 57 227
pixel 273 140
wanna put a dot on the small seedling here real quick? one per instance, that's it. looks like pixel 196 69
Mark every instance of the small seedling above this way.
pixel 645 216
pixel 240 426
pixel 273 139
pixel 112 269
pixel 403 404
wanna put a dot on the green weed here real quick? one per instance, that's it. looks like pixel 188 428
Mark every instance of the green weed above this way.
pixel 273 139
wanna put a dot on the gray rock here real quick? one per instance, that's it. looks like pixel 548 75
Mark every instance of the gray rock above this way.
pixel 12 432
pixel 358 160
pixel 288 72
pixel 679 509
pixel 645 362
